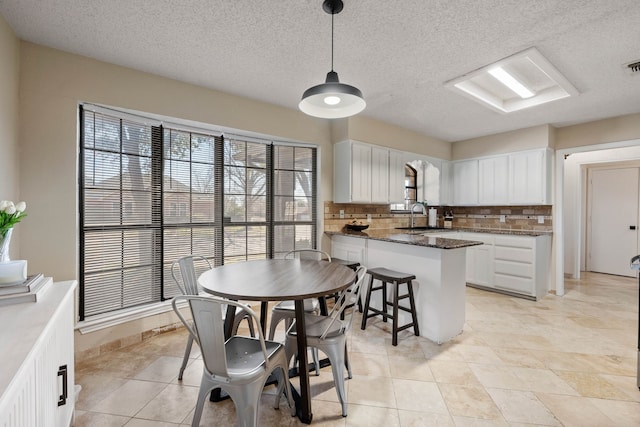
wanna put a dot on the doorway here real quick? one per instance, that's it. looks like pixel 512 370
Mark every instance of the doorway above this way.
pixel 612 235
pixel 570 201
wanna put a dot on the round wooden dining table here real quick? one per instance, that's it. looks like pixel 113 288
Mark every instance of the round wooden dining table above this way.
pixel 278 280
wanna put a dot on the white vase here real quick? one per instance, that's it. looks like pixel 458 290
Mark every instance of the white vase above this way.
pixel 5 240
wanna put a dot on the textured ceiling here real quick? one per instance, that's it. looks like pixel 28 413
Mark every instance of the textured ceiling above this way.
pixel 399 53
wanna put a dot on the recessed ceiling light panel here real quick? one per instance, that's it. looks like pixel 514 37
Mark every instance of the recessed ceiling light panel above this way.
pixel 520 81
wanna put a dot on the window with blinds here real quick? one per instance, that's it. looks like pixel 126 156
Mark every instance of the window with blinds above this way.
pixel 151 193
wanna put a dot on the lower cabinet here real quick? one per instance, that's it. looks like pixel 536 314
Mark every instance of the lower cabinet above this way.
pixel 512 264
pixel 479 259
pixel 37 361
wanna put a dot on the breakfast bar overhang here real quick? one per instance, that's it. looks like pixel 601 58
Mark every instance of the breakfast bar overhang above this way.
pixel 438 263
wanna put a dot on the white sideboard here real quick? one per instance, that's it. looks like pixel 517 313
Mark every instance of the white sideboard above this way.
pixel 36 361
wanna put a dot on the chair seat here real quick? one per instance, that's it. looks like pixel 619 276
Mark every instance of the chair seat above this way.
pixel 315 326
pixel 244 355
pixel 310 304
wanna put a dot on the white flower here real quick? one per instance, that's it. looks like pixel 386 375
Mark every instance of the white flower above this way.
pixel 10 209
pixel 21 206
pixel 3 204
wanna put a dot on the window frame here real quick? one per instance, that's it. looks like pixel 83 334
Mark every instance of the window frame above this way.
pixel 158 161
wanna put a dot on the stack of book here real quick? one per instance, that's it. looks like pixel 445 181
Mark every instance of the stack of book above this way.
pixel 28 291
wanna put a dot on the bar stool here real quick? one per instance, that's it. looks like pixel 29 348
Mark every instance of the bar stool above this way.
pixel 396 279
pixel 351 264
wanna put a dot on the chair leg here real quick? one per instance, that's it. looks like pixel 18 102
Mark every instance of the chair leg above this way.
pixel 251 330
pixel 185 359
pixel 283 386
pixel 336 356
pixel 347 363
pixel 203 393
pixel 276 317
pixel 316 360
pixel 365 312
pixel 246 400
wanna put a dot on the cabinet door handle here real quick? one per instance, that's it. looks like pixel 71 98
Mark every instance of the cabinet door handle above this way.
pixel 62 371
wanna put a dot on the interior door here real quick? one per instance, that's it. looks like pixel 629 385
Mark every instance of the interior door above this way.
pixel 613 237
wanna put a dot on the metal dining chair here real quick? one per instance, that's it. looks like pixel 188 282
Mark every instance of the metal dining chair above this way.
pixel 329 334
pixel 187 283
pixel 239 365
pixel 285 310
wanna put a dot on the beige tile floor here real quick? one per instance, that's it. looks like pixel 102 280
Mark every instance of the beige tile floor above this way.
pixel 567 361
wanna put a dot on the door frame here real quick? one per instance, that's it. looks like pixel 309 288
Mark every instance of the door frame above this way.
pixel 558 208
pixel 588 188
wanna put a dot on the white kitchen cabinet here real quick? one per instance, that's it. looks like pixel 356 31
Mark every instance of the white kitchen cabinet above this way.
pixel 446 183
pixel 465 182
pixel 362 173
pixel 522 178
pixel 493 174
pixel 396 176
pixel 37 361
pixel 479 259
pixel 521 264
pixel 530 177
pixel 517 265
pixel 379 175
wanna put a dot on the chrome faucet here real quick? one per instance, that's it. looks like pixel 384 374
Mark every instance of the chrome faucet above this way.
pixel 424 211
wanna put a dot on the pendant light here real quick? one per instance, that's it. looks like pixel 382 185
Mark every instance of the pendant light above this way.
pixel 332 99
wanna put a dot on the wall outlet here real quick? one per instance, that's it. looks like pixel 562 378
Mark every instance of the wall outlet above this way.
pixel 368 217
pixel 341 213
pixel 540 219
pixel 503 218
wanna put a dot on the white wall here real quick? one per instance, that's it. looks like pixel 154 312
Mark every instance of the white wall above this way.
pixel 9 147
pixel 502 143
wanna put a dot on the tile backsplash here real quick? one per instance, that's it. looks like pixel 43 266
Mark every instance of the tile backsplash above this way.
pixel 516 217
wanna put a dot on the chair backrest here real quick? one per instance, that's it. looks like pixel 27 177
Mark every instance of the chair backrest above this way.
pixel 186 267
pixel 208 329
pixel 346 303
pixel 308 254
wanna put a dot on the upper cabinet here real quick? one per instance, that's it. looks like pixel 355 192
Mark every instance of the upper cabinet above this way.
pixel 465 182
pixel 521 178
pixel 493 180
pixel 364 173
pixel 396 176
pixel 379 175
pixel 530 177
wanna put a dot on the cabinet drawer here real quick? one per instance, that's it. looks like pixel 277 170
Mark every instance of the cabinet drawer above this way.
pixel 514 254
pixel 515 284
pixel 514 269
pixel 515 241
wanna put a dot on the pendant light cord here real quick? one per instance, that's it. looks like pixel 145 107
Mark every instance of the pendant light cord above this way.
pixel 332 15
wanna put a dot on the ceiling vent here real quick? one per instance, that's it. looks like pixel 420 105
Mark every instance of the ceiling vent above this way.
pixel 633 68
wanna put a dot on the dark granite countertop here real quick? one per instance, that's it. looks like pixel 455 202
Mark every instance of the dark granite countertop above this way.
pixel 401 236
pixel 422 238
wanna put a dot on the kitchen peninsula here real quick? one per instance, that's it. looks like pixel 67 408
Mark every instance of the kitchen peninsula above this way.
pixel 438 264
